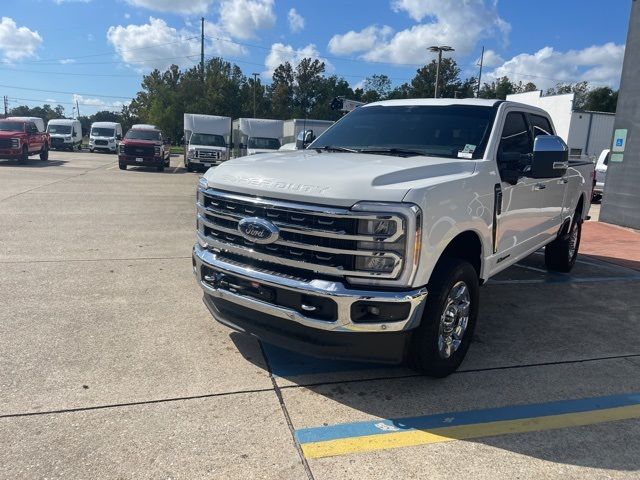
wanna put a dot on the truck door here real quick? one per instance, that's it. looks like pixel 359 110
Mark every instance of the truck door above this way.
pixel 554 188
pixel 34 138
pixel 519 220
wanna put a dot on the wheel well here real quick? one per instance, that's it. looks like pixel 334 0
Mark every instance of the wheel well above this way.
pixel 466 246
pixel 580 206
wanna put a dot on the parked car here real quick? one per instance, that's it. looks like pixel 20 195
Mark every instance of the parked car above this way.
pixel 20 139
pixel 105 136
pixel 144 146
pixel 372 243
pixel 66 134
pixel 601 174
pixel 207 140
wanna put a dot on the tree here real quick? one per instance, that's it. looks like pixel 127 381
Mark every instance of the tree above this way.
pixel 307 85
pixel 46 112
pixel 376 87
pixel 281 91
pixel 424 83
pixel 601 99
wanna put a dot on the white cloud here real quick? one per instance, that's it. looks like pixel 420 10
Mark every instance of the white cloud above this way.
pixel 185 7
pixel 127 16
pixel 281 53
pixel 364 40
pixel 16 42
pixel 60 2
pixel 598 64
pixel 458 23
pixel 491 59
pixel 242 18
pixel 157 45
pixel 296 21
pixel 97 103
pixel 66 61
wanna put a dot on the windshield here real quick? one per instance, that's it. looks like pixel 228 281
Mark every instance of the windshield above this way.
pixel 457 131
pixel 262 143
pixel 102 132
pixel 153 135
pixel 60 129
pixel 11 127
pixel 208 140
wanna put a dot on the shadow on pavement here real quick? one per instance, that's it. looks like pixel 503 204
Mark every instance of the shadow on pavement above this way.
pixel 32 163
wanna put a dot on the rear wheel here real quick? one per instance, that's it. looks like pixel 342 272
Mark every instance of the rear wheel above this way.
pixel 189 166
pixel 440 343
pixel 44 153
pixel 561 254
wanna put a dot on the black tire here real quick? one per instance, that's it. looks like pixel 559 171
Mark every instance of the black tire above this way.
pixel 91 150
pixel 561 254
pixel 24 156
pixel 122 166
pixel 429 353
pixel 189 166
pixel 160 168
pixel 44 153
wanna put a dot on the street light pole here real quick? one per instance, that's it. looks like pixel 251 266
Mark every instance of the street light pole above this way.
pixel 439 49
pixel 255 85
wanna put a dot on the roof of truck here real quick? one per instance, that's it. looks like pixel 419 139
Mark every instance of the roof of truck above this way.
pixel 144 126
pixel 104 124
pixel 62 121
pixel 436 102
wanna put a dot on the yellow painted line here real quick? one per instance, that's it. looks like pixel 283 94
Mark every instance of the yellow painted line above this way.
pixel 370 443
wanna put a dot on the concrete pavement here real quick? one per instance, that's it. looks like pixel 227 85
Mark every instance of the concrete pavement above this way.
pixel 111 367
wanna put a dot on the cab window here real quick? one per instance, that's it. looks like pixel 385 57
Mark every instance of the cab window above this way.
pixel 541 126
pixel 515 137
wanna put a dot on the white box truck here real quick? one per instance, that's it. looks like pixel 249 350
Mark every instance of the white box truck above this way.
pixel 206 140
pixel 256 135
pixel 298 133
pixel 66 134
pixel 104 136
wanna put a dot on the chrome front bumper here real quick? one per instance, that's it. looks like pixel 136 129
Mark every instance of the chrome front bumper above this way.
pixel 343 296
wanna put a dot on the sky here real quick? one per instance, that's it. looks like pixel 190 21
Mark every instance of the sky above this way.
pixel 96 51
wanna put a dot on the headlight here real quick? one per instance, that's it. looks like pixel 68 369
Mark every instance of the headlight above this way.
pixel 111 140
pixel 156 150
pixel 68 137
pixel 121 148
pixel 394 247
pixel 15 143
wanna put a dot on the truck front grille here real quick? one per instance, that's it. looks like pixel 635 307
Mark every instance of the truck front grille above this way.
pixel 140 151
pixel 311 238
pixel 57 141
pixel 5 143
pixel 101 142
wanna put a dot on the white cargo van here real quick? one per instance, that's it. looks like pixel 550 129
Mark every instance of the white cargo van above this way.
pixel 256 135
pixel 206 139
pixel 66 134
pixel 104 136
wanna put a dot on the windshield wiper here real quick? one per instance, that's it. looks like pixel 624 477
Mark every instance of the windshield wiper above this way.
pixel 333 148
pixel 395 151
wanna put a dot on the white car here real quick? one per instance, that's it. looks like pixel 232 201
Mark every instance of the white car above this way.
pixel 601 173
pixel 372 242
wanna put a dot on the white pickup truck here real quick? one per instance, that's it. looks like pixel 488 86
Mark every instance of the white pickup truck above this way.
pixel 373 242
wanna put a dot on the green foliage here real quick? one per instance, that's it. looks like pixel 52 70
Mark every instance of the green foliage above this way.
pixel 46 112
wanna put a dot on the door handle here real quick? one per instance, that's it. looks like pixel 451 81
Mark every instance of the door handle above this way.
pixel 540 186
pixel 565 180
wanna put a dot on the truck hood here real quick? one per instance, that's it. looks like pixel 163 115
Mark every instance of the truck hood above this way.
pixel 141 143
pixel 10 134
pixel 334 178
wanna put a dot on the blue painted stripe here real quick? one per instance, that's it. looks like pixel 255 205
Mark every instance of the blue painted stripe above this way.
pixel 381 427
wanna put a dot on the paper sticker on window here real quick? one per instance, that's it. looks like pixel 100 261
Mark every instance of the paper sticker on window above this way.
pixel 465 155
pixel 468 148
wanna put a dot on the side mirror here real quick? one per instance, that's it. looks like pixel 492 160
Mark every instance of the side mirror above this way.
pixel 118 137
pixel 550 157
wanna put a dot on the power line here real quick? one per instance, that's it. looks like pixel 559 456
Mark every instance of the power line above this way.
pixel 67 93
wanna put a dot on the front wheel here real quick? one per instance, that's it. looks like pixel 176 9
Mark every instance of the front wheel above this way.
pixel 24 156
pixel 440 343
pixel 561 254
pixel 122 166
pixel 160 168
pixel 44 153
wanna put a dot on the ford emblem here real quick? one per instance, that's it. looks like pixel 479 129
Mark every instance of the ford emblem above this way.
pixel 258 230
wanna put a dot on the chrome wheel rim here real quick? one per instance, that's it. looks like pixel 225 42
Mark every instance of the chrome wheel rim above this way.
pixel 454 320
pixel 573 240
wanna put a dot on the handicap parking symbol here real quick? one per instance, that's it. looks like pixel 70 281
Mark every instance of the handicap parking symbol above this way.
pixel 619 142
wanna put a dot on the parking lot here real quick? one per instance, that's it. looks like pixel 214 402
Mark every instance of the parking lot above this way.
pixel 112 367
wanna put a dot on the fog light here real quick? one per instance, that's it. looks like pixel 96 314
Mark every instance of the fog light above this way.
pixel 377 227
pixel 369 312
pixel 375 264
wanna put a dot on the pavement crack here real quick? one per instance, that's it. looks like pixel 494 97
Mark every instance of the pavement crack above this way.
pixel 133 404
pixel 287 417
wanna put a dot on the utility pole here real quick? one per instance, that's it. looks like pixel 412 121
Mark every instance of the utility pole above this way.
pixel 77 110
pixel 255 87
pixel 439 49
pixel 202 47
pixel 6 107
pixel 480 73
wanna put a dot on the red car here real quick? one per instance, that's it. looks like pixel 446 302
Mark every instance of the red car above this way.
pixel 144 146
pixel 20 139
